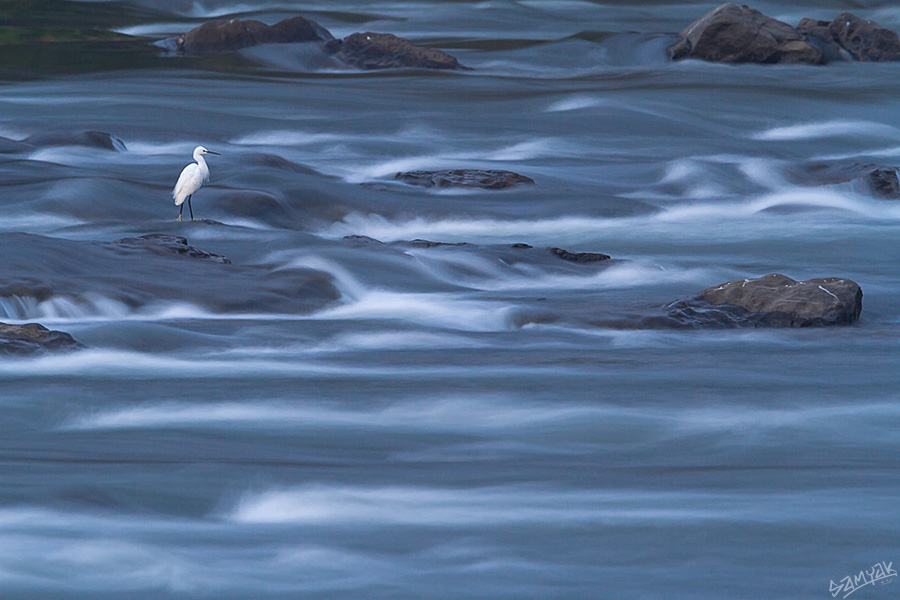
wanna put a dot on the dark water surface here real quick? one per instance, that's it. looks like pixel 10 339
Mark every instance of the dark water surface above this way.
pixel 454 425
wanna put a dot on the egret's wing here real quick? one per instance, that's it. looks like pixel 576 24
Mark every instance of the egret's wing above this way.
pixel 189 182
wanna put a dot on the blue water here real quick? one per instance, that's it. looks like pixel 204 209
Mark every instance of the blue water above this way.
pixel 458 423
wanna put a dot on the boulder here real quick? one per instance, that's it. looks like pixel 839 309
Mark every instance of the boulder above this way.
pixel 226 36
pixel 579 257
pixel 881 180
pixel 778 300
pixel 386 51
pixel 865 40
pixel 165 244
pixel 471 178
pixel 733 33
pixel 33 338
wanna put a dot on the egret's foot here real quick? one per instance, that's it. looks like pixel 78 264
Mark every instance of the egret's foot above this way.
pixel 179 218
pixel 192 218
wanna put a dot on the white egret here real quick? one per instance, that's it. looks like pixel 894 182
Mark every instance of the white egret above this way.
pixel 191 180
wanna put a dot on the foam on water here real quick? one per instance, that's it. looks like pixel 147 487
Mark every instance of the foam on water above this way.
pixel 329 505
pixel 284 138
pixel 826 129
pixel 680 221
pixel 577 102
pixel 442 414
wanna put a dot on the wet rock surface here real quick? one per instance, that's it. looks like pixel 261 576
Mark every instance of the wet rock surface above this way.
pixel 580 257
pixel 136 272
pixel 866 41
pixel 779 301
pixel 881 180
pixel 165 244
pixel 90 139
pixel 470 178
pixel 387 51
pixel 733 33
pixel 33 338
pixel 218 36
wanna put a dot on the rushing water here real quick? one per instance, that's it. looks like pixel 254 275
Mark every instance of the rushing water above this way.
pixel 455 425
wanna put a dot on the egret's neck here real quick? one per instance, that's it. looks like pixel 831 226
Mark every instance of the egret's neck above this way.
pixel 202 162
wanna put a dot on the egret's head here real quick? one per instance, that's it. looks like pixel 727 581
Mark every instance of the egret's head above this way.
pixel 202 150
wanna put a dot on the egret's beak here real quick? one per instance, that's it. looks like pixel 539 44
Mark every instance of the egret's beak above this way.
pixel 211 152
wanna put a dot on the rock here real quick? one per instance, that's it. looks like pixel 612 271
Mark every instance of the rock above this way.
pixel 386 51
pixel 738 34
pixel 865 40
pixel 227 36
pixel 472 178
pixel 33 338
pixel 818 33
pixel 579 257
pixel 521 246
pixel 162 243
pixel 93 139
pixel 151 270
pixel 419 243
pixel 777 300
pixel 882 180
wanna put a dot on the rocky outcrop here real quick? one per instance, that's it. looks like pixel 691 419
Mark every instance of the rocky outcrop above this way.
pixel 738 34
pixel 226 36
pixel 881 180
pixel 469 178
pixel 733 33
pixel 580 257
pixel 771 301
pixel 33 338
pixel 386 51
pixel 165 244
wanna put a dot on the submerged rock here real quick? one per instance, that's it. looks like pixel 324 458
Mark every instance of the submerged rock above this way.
pixel 162 243
pixel 881 180
pixel 472 178
pixel 733 33
pixel 98 277
pixel 226 36
pixel 93 139
pixel 580 257
pixel 386 51
pixel 33 338
pixel 775 301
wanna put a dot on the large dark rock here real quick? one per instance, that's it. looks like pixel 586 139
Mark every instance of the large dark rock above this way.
pixel 580 257
pixel 165 244
pixel 226 36
pixel 33 338
pixel 777 300
pixel 93 139
pixel 733 33
pixel 471 178
pixel 881 180
pixel 386 51
pixel 865 40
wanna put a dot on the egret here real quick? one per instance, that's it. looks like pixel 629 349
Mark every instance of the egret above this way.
pixel 191 180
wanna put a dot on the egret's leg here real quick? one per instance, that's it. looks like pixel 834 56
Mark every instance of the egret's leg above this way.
pixel 189 207
pixel 181 211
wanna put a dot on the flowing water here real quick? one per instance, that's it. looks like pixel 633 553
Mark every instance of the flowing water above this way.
pixel 454 424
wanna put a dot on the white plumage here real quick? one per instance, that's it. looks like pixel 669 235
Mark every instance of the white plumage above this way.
pixel 191 179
